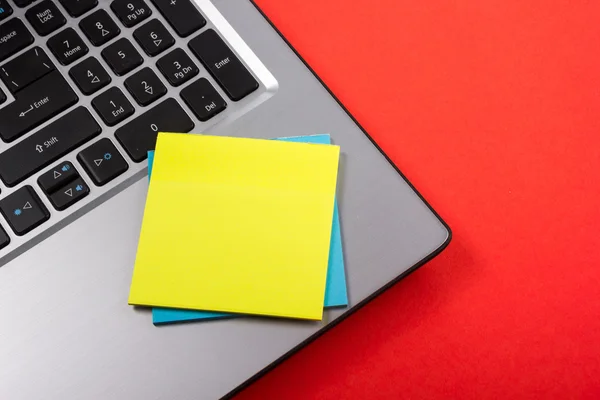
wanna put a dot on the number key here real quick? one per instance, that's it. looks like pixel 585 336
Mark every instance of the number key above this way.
pixel 145 87
pixel 67 46
pixel 154 37
pixel 99 27
pixel 131 12
pixel 113 106
pixel 90 76
pixel 177 67
pixel 139 135
pixel 122 57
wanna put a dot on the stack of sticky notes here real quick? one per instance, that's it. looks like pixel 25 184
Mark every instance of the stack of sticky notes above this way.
pixel 240 226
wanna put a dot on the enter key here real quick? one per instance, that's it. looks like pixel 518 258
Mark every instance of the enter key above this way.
pixel 36 104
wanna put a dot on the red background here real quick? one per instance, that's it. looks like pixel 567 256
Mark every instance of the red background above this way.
pixel 492 109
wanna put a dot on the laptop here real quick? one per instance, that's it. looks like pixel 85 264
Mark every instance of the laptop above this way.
pixel 85 85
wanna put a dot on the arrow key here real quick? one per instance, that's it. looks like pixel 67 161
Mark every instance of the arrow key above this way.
pixel 70 194
pixel 102 161
pixel 154 37
pixel 58 176
pixel 23 210
pixel 145 87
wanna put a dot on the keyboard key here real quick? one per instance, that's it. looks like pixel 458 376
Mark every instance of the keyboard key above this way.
pixel 23 210
pixel 36 104
pixel 99 27
pixel 90 76
pixel 5 12
pixel 112 106
pixel 4 239
pixel 2 97
pixel 45 17
pixel 77 8
pixel 21 71
pixel 69 194
pixel 139 135
pixel 154 37
pixel 145 87
pixel 203 99
pixel 223 65
pixel 57 177
pixel 131 12
pixel 102 162
pixel 14 37
pixel 67 46
pixel 23 3
pixel 182 15
pixel 47 145
pixel 177 67
pixel 122 57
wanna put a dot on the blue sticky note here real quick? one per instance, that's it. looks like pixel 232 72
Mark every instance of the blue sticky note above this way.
pixel 336 294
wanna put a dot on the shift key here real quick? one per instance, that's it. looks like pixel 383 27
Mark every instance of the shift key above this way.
pixel 36 104
pixel 47 145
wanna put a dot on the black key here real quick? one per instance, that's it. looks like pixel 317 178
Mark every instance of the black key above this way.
pixel 122 57
pixel 99 27
pixel 112 106
pixel 14 37
pixel 36 104
pixel 102 162
pixel 45 17
pixel 47 145
pixel 203 99
pixel 23 3
pixel 90 76
pixel 223 65
pixel 177 67
pixel 145 87
pixel 67 46
pixel 182 15
pixel 24 210
pixel 25 69
pixel 131 12
pixel 57 177
pixel 139 135
pixel 154 37
pixel 69 194
pixel 2 97
pixel 4 239
pixel 77 8
pixel 5 12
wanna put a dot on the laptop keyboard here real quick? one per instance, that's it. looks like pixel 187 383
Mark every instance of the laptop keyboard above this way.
pixel 85 88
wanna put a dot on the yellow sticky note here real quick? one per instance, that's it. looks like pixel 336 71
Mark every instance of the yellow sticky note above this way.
pixel 237 225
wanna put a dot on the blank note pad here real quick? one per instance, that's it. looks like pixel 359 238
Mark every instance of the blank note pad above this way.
pixel 237 225
pixel 335 290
